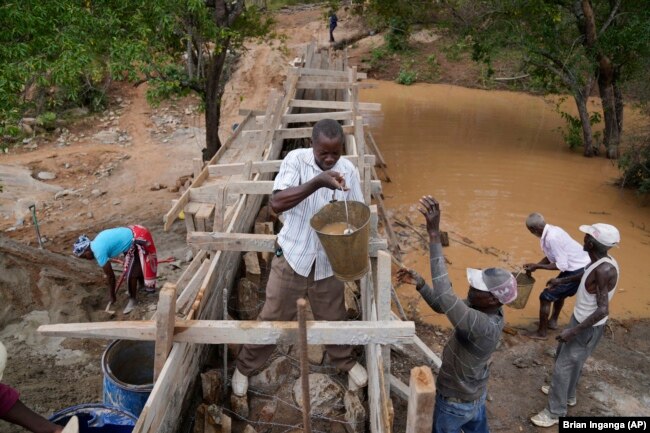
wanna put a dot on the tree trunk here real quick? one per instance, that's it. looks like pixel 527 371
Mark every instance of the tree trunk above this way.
pixel 605 80
pixel 581 103
pixel 213 93
pixel 618 104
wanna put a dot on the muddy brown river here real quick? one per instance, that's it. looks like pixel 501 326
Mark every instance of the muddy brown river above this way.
pixel 491 158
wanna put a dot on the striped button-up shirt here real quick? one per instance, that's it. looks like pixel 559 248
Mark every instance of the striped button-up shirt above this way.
pixel 299 242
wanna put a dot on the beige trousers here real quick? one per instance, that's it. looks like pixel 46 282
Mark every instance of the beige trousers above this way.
pixel 283 289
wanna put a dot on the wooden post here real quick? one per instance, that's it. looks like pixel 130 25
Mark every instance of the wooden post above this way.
pixel 165 321
pixel 422 399
pixel 304 364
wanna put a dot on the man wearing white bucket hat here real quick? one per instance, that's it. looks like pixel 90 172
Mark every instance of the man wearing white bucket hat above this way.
pixel 300 268
pixel 14 411
pixel 461 386
pixel 590 314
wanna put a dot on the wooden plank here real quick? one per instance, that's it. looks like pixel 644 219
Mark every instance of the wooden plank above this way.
pixel 187 296
pixel 291 133
pixel 224 241
pixel 237 168
pixel 165 321
pixel 329 73
pixel 334 105
pixel 243 331
pixel 332 84
pixel 211 193
pixel 189 272
pixel 399 388
pixel 232 241
pixel 272 166
pixel 422 398
pixel 384 283
pixel 220 203
pixel 312 117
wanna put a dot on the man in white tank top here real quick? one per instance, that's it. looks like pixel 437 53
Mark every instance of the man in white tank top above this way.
pixel 590 313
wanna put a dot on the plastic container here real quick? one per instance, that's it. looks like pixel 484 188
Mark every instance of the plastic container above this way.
pixel 128 374
pixel 347 253
pixel 97 418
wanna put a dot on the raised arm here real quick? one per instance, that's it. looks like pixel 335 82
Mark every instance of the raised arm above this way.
pixel 441 297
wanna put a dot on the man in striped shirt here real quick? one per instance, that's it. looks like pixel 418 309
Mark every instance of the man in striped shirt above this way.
pixel 461 386
pixel 308 180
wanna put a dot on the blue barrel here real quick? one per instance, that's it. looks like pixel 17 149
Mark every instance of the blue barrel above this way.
pixel 128 374
pixel 97 418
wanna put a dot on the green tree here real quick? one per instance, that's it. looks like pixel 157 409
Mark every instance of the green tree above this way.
pixel 568 46
pixel 67 52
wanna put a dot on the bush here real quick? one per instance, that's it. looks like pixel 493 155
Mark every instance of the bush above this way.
pixel 406 77
pixel 635 164
pixel 398 34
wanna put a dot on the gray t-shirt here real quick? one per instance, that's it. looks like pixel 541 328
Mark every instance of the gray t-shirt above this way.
pixel 464 372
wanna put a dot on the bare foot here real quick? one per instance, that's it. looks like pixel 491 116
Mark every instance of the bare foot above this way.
pixel 552 324
pixel 535 335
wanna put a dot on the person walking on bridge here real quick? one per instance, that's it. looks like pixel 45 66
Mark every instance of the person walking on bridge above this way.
pixel 461 386
pixel 300 268
pixel 563 253
pixel 590 313
pixel 140 260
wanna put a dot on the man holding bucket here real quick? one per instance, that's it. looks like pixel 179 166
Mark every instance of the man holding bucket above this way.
pixel 563 253
pixel 306 182
pixel 461 386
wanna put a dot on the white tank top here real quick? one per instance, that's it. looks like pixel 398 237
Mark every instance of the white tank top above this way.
pixel 585 301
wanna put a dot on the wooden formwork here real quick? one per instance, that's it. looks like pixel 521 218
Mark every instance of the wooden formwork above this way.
pixel 220 208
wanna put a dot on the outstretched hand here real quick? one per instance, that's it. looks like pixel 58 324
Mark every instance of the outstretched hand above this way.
pixel 431 211
pixel 409 276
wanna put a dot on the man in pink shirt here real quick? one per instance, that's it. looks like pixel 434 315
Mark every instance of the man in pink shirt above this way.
pixel 563 253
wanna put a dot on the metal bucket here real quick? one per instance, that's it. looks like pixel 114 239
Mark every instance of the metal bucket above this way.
pixel 97 418
pixel 525 283
pixel 348 254
pixel 128 374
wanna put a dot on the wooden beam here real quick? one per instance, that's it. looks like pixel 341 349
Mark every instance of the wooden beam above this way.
pixel 335 85
pixel 243 331
pixel 165 321
pixel 422 398
pixel 334 105
pixel 328 73
pixel 271 166
pixel 220 241
pixel 399 388
pixel 217 241
pixel 291 133
pixel 312 117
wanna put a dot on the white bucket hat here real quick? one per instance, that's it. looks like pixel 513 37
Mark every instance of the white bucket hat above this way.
pixel 605 234
pixel 497 281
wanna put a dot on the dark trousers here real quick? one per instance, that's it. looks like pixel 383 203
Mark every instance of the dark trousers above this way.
pixel 283 289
